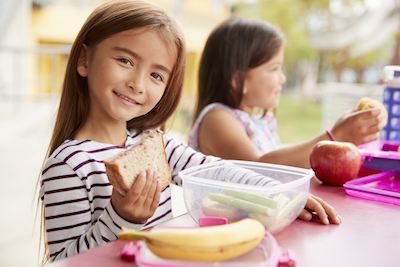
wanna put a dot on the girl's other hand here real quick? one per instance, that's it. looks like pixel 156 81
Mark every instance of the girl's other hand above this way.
pixel 141 200
pixel 321 208
pixel 359 127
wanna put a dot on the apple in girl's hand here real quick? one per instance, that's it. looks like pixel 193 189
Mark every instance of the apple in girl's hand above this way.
pixel 335 162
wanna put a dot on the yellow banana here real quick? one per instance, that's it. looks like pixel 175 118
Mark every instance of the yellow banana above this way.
pixel 206 244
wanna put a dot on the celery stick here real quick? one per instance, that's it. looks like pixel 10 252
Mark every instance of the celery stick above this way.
pixel 261 200
pixel 267 221
pixel 290 206
pixel 242 204
pixel 271 222
pixel 282 200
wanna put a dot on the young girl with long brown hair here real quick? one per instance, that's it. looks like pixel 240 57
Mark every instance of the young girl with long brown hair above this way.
pixel 124 76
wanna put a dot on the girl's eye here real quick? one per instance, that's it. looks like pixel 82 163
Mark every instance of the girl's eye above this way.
pixel 276 69
pixel 125 61
pixel 157 76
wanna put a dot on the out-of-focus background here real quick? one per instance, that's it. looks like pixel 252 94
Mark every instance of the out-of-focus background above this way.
pixel 335 52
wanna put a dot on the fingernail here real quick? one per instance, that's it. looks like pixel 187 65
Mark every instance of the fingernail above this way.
pixel 326 221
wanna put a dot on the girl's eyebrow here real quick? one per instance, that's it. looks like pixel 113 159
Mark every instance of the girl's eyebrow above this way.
pixel 135 55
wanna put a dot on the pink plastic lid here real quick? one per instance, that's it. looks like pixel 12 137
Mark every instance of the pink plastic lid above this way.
pixel 383 187
pixel 381 155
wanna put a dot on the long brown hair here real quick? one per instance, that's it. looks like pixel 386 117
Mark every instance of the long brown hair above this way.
pixel 233 47
pixel 106 20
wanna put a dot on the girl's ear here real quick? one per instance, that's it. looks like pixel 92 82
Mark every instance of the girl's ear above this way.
pixel 233 83
pixel 82 68
pixel 244 91
pixel 235 78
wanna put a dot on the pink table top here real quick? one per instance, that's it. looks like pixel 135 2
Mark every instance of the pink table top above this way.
pixel 368 236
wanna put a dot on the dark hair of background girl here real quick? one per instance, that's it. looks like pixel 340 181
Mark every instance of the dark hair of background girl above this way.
pixel 235 46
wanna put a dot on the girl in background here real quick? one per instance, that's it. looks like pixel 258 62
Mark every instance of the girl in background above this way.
pixel 240 72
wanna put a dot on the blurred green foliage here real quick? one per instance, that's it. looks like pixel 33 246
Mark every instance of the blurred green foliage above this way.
pixel 293 18
pixel 297 122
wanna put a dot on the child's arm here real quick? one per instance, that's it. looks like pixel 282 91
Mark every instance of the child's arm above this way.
pixel 357 127
pixel 220 134
pixel 75 217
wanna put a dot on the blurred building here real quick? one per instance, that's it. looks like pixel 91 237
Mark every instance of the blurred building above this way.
pixel 36 37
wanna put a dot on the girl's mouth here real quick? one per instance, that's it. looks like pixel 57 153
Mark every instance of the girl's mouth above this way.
pixel 126 98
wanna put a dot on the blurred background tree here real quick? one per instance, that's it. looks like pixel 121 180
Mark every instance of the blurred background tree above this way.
pixel 310 26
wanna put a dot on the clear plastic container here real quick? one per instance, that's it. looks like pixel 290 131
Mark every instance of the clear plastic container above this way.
pixel 275 206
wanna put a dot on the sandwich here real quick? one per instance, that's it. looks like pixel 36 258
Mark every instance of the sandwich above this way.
pixel 149 153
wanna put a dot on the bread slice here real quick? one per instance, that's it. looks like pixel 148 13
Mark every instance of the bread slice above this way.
pixel 149 153
pixel 367 103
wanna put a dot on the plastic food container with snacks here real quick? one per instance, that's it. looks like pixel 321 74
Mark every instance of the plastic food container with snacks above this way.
pixel 210 191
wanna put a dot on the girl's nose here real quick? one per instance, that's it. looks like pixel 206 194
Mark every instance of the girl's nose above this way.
pixel 283 78
pixel 136 83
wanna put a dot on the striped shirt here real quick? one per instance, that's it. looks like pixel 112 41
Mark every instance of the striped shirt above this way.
pixel 260 129
pixel 76 193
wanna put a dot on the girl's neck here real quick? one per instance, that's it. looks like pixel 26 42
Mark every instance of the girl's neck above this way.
pixel 248 109
pixel 115 134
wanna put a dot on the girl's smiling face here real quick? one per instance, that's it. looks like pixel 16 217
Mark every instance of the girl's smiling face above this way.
pixel 263 84
pixel 127 74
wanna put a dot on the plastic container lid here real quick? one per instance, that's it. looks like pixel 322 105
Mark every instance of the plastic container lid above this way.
pixel 290 177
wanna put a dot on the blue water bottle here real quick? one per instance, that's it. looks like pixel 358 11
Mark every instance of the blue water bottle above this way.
pixel 391 100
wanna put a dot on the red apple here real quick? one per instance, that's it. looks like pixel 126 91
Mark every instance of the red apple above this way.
pixel 335 162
